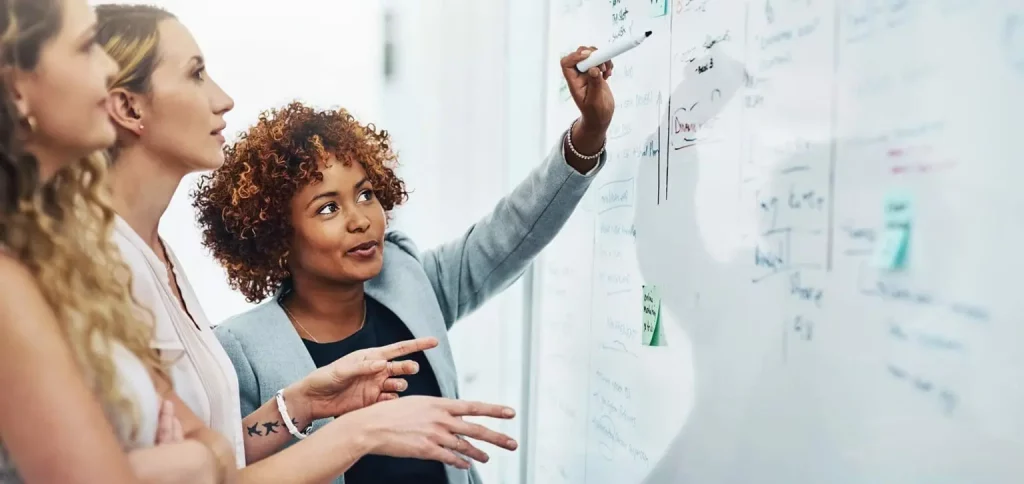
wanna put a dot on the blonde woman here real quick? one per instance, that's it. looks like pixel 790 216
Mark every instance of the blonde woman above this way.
pixel 79 402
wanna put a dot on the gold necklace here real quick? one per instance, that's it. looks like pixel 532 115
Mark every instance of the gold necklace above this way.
pixel 303 328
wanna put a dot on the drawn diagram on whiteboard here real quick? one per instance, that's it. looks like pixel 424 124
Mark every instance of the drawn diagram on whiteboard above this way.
pixel 692 110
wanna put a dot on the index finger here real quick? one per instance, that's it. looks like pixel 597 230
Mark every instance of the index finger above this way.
pixel 463 408
pixel 407 347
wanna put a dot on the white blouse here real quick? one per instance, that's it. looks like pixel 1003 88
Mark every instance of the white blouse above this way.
pixel 201 371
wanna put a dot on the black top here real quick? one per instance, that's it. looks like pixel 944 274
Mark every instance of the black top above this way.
pixel 382 328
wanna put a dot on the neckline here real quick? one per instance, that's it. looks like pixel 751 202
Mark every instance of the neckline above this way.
pixel 122 227
pixel 160 268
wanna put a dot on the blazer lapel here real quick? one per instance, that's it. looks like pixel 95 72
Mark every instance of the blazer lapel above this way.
pixel 289 358
pixel 416 308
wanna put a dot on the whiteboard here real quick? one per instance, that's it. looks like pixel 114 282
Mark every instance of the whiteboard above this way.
pixel 754 149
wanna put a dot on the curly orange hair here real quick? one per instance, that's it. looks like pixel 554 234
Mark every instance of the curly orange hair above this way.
pixel 244 206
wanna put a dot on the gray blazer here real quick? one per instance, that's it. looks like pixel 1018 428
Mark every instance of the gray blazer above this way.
pixel 428 291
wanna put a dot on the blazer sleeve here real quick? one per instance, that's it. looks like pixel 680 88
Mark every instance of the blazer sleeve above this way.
pixel 248 387
pixel 495 251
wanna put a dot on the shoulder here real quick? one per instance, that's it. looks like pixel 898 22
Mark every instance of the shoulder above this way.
pixel 16 279
pixel 396 239
pixel 249 322
pixel 22 304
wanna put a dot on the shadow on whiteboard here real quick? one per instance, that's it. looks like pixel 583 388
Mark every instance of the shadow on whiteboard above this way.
pixel 687 241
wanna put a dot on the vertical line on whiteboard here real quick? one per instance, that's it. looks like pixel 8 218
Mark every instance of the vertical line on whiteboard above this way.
pixel 745 91
pixel 833 144
pixel 668 112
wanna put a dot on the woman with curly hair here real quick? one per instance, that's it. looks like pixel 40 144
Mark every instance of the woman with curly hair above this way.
pixel 169 117
pixel 298 216
pixel 82 387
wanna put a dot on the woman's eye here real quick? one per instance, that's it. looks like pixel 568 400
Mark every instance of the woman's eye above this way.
pixel 365 196
pixel 327 209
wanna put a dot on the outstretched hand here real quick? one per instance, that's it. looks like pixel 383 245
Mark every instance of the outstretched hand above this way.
pixel 433 428
pixel 361 378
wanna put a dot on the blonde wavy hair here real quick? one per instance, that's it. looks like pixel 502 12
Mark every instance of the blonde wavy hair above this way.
pixel 61 229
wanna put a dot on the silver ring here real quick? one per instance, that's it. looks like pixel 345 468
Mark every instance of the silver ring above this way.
pixel 390 372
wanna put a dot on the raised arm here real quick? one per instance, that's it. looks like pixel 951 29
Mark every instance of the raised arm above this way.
pixel 51 424
pixel 496 250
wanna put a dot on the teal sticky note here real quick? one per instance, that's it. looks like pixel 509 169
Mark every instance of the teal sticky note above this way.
pixel 651 334
pixel 899 208
pixel 894 240
pixel 659 8
pixel 891 251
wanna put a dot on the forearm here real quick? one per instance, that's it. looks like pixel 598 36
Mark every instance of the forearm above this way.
pixel 222 450
pixel 264 429
pixel 321 457
pixel 496 250
pixel 187 462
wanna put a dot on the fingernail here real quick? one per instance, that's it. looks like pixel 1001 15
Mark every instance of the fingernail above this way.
pixel 511 444
pixel 586 52
pixel 508 412
pixel 402 386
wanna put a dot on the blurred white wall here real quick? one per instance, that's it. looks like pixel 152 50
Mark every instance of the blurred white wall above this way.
pixel 265 53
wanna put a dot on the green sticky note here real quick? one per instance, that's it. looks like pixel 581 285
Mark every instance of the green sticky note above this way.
pixel 659 8
pixel 652 317
pixel 891 251
pixel 894 240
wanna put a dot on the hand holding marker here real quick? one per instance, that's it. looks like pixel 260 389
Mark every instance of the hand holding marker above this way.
pixel 601 56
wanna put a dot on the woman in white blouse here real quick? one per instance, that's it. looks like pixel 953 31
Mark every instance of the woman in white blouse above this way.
pixel 169 117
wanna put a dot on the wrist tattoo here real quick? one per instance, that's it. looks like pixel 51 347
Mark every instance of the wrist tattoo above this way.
pixel 269 427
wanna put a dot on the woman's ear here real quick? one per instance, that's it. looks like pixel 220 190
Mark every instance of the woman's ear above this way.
pixel 16 82
pixel 124 111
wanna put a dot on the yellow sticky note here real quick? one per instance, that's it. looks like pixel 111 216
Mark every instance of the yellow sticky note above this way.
pixel 652 317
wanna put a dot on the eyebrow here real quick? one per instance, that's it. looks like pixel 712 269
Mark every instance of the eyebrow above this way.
pixel 322 196
pixel 89 34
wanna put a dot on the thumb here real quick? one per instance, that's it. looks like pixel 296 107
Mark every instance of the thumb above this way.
pixel 569 62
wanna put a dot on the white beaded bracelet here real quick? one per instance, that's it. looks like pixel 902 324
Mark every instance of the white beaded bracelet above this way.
pixel 568 139
pixel 283 410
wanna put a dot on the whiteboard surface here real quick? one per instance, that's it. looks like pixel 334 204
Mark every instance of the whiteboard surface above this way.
pixel 752 152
